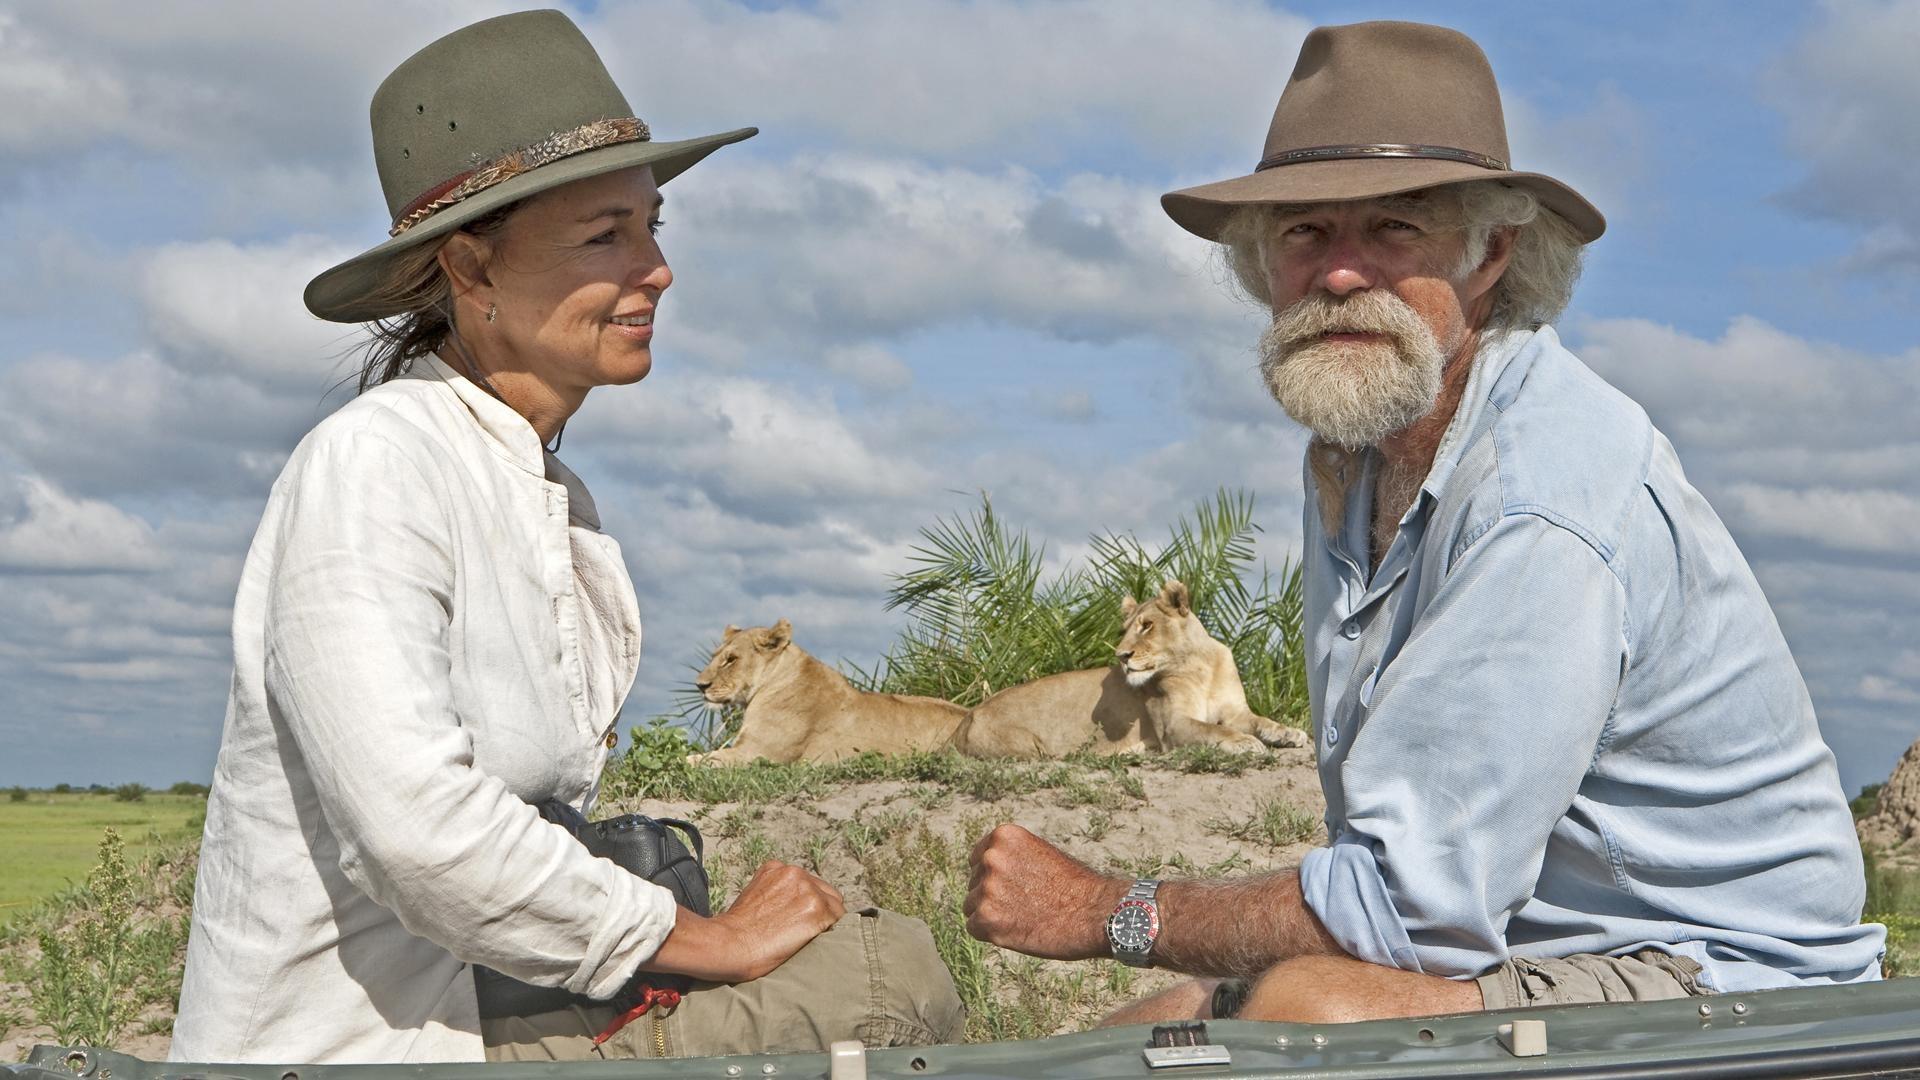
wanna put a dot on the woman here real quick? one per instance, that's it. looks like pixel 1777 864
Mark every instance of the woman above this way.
pixel 431 634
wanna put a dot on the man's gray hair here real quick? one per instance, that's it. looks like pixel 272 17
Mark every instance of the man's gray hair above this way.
pixel 1538 281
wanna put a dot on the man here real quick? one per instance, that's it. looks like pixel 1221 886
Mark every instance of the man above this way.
pixel 1566 754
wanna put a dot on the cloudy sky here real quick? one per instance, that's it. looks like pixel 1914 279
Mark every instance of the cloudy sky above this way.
pixel 941 270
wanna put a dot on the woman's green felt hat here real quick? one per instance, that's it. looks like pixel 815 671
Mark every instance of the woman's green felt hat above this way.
pixel 483 117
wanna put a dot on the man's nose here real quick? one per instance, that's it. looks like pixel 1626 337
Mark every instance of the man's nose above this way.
pixel 1346 268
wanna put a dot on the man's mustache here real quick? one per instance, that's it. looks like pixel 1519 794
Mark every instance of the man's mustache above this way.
pixel 1369 311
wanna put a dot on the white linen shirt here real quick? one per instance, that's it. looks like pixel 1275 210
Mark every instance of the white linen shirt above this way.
pixel 431 633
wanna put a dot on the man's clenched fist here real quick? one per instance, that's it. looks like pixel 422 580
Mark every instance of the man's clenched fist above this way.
pixel 1026 895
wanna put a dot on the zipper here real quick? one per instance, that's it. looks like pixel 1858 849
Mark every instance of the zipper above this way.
pixel 659 1031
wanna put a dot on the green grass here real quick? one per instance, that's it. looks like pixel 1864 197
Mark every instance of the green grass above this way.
pixel 657 768
pixel 1893 899
pixel 48 842
pixel 1271 823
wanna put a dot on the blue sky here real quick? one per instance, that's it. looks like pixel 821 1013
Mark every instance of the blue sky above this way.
pixel 941 270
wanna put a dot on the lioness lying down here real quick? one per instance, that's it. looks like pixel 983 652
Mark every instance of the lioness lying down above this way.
pixel 799 709
pixel 1171 685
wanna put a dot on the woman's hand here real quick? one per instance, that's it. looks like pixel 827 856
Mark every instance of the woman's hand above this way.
pixel 777 913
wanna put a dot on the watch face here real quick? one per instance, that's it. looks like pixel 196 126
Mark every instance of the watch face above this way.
pixel 1133 926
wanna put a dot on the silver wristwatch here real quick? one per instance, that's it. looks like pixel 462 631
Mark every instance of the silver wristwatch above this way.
pixel 1134 925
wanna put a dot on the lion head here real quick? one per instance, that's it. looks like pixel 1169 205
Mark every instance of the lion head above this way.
pixel 733 674
pixel 1161 635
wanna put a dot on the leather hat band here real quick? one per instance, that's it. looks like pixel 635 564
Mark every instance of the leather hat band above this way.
pixel 1380 150
pixel 550 149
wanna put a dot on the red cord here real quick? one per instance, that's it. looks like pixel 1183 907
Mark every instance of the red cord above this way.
pixel 649 997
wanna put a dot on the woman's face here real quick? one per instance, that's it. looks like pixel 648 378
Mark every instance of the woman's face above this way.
pixel 577 275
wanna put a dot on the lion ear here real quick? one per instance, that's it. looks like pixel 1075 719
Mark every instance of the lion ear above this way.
pixel 1176 596
pixel 727 634
pixel 1127 604
pixel 776 638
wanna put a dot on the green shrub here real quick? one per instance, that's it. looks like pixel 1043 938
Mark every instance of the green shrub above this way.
pixel 188 787
pixel 984 614
pixel 16 794
pixel 1869 797
pixel 63 789
pixel 130 793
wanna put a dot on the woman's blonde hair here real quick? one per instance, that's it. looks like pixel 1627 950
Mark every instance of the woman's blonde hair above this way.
pixel 421 290
pixel 1538 282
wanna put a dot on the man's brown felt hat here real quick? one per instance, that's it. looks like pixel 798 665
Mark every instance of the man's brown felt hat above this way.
pixel 485 116
pixel 1379 108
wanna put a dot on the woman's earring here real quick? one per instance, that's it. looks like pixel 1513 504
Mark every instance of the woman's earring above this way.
pixel 493 312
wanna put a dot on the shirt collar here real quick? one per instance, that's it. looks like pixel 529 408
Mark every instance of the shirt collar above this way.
pixel 1497 352
pixel 506 431
pixel 512 437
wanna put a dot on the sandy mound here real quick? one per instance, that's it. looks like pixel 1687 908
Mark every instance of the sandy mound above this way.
pixel 1894 825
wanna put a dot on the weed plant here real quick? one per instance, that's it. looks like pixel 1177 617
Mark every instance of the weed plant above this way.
pixel 107 951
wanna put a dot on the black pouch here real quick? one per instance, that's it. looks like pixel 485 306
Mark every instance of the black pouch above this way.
pixel 645 847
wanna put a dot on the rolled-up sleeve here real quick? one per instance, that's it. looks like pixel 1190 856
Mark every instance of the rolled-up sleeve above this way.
pixel 358 673
pixel 1475 743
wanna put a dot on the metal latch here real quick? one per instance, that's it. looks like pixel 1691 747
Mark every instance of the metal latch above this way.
pixel 847 1060
pixel 1523 1038
pixel 1183 1044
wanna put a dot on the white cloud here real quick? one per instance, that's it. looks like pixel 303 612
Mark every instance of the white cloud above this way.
pixel 218 306
pixel 1763 401
pixel 138 425
pixel 1881 522
pixel 1881 688
pixel 1849 96
pixel 44 530
pixel 780 258
pixel 872 367
pixel 986 81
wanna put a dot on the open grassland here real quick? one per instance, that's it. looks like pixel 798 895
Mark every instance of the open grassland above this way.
pixel 49 842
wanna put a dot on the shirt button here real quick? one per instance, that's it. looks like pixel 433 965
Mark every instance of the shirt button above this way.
pixel 613 738
pixel 1350 629
pixel 1333 735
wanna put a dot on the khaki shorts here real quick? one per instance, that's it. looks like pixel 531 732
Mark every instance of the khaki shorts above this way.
pixel 1648 975
pixel 874 976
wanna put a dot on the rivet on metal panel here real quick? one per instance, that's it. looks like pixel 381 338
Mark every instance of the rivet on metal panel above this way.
pixel 1284 1041
pixel 1319 1040
pixel 769 1068
pixel 1739 1008
pixel 1706 1010
pixel 733 1070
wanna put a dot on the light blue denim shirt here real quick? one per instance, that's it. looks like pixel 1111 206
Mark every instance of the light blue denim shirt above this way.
pixel 1560 717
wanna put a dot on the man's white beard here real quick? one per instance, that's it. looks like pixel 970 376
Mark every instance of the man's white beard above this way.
pixel 1352 393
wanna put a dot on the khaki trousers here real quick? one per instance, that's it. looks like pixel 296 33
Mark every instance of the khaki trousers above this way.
pixel 1648 975
pixel 873 976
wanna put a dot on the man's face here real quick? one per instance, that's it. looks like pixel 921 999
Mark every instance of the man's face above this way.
pixel 1369 306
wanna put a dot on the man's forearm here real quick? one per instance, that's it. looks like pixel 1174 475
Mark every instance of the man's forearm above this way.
pixel 1238 928
pixel 1026 895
